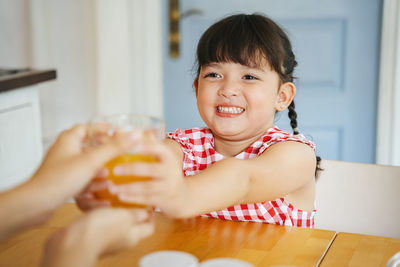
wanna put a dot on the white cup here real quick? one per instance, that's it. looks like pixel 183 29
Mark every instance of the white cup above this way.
pixel 394 261
pixel 225 262
pixel 169 258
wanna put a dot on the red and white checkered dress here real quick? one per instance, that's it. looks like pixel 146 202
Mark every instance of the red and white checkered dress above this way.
pixel 198 148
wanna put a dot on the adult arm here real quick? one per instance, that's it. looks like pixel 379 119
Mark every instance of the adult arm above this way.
pixel 98 232
pixel 65 170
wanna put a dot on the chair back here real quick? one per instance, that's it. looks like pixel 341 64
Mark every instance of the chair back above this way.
pixel 358 198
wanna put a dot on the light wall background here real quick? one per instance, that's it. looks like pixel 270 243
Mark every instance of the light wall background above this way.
pixel 108 60
pixel 107 55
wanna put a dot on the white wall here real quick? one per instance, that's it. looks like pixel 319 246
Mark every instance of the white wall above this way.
pixel 53 35
pixel 107 55
pixel 63 39
pixel 15 34
pixel 129 56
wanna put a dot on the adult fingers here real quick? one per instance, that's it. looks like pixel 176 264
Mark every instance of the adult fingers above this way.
pixel 67 140
pixel 120 143
pixel 139 231
pixel 139 215
pixel 85 203
pixel 118 215
pixel 96 185
pixel 86 200
pixel 130 238
pixel 102 173
pixel 132 225
pixel 75 134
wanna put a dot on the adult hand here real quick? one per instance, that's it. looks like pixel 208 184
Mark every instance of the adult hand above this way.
pixel 68 166
pixel 98 232
pixel 65 170
pixel 87 199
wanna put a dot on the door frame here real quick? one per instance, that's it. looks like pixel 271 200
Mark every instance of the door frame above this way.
pixel 388 117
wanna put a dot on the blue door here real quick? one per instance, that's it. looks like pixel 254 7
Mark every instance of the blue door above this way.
pixel 336 43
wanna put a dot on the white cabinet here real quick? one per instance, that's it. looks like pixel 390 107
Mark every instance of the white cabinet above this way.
pixel 20 135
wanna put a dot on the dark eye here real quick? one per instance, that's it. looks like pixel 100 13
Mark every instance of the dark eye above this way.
pixel 250 77
pixel 212 75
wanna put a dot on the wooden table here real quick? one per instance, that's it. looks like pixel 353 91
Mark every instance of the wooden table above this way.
pixel 260 244
pixel 360 250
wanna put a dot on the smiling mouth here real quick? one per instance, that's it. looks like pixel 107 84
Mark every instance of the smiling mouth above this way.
pixel 230 110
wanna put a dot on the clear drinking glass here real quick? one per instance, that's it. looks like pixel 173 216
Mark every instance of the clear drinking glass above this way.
pixel 145 127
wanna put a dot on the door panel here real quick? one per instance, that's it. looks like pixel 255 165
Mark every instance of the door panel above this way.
pixel 336 43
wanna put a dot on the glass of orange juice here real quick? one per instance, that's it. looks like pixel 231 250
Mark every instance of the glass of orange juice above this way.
pixel 146 127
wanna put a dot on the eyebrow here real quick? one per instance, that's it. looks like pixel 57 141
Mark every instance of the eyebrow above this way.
pixel 212 64
pixel 217 65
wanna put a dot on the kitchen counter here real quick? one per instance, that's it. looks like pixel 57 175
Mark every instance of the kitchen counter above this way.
pixel 14 79
pixel 21 146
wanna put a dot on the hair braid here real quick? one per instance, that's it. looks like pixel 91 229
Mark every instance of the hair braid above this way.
pixel 293 123
pixel 293 117
pixel 318 168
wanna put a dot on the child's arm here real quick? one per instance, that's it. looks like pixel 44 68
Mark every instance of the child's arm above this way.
pixel 282 170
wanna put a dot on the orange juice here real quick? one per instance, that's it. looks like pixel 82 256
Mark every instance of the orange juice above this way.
pixel 116 179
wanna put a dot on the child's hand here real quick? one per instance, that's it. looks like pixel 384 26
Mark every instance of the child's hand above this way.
pixel 166 188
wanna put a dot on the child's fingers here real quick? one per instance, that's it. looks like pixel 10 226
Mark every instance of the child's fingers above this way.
pixel 141 192
pixel 159 150
pixel 148 187
pixel 154 169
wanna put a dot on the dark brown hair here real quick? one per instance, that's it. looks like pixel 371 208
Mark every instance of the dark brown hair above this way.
pixel 250 40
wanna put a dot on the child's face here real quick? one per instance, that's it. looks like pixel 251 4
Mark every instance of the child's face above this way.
pixel 235 101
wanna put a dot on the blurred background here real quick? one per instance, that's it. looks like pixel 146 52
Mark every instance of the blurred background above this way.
pixel 138 56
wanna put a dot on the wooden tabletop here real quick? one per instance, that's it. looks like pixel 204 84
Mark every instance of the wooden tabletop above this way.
pixel 360 250
pixel 257 243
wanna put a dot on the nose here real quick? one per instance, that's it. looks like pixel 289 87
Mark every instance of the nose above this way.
pixel 229 88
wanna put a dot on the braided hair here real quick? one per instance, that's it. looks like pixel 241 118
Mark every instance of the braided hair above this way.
pixel 249 40
pixel 286 73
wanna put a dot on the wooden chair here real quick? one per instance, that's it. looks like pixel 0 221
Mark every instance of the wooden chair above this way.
pixel 358 198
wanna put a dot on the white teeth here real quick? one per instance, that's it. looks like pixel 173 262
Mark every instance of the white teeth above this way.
pixel 232 110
